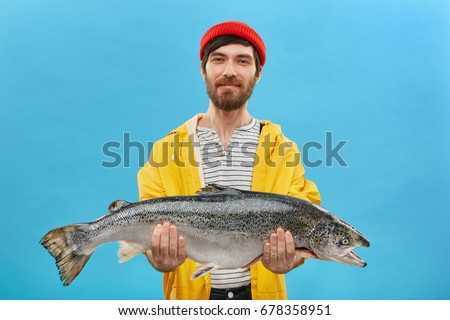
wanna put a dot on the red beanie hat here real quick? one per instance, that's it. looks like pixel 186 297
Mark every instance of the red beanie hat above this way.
pixel 238 29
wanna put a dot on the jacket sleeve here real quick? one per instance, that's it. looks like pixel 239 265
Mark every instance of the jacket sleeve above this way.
pixel 149 180
pixel 301 187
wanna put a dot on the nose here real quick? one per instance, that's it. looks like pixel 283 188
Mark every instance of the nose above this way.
pixel 229 70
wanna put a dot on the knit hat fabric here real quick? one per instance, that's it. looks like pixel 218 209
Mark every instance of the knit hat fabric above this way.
pixel 238 29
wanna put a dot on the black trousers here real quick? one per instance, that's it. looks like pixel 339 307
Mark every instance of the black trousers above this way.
pixel 240 293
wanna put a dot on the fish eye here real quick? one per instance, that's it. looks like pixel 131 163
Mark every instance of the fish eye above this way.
pixel 345 241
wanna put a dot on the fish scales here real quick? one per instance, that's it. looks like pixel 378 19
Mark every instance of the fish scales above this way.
pixel 223 227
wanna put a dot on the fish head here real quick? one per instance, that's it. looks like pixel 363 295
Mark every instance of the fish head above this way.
pixel 333 239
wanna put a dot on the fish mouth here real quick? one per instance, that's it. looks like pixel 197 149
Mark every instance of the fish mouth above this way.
pixel 353 259
pixel 350 259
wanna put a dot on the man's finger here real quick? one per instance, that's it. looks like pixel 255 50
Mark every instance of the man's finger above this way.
pixel 173 241
pixel 290 244
pixel 273 258
pixel 155 239
pixel 181 248
pixel 164 242
pixel 290 247
pixel 281 246
pixel 266 252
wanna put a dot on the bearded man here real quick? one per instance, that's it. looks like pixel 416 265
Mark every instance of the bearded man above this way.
pixel 229 147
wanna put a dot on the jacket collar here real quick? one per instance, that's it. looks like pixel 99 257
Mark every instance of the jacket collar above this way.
pixel 190 127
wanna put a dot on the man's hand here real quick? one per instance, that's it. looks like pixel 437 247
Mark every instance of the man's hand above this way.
pixel 279 255
pixel 168 249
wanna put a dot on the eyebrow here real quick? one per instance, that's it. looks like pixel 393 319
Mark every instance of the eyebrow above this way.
pixel 243 55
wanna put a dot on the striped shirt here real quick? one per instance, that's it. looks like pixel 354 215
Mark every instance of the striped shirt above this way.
pixel 231 167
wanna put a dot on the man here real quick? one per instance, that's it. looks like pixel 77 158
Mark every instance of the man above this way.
pixel 226 146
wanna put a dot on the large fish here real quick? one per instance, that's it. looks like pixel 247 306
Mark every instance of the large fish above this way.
pixel 223 227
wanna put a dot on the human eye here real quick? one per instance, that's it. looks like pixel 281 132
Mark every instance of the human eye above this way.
pixel 216 59
pixel 244 60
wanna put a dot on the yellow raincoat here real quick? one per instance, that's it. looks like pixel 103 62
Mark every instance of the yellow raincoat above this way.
pixel 172 170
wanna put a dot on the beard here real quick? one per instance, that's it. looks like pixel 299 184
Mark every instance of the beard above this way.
pixel 229 99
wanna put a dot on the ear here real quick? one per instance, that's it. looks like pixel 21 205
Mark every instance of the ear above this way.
pixel 202 73
pixel 258 77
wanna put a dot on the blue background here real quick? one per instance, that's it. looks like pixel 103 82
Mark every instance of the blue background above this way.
pixel 75 75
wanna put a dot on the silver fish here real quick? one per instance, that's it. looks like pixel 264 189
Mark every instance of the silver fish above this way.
pixel 223 227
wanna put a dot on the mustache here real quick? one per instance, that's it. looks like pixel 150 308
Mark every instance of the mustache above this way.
pixel 228 81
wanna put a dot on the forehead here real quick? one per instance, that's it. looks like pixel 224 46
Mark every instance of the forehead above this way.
pixel 234 50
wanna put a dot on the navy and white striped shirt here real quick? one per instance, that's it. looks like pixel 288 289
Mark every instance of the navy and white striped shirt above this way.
pixel 231 167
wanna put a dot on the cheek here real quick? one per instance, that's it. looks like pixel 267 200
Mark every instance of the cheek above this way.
pixel 211 77
pixel 212 72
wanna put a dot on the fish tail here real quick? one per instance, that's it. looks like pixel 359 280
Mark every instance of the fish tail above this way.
pixel 70 260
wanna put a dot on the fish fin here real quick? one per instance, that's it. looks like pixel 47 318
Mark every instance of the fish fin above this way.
pixel 128 250
pixel 69 260
pixel 213 189
pixel 202 270
pixel 306 253
pixel 116 205
pixel 254 261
